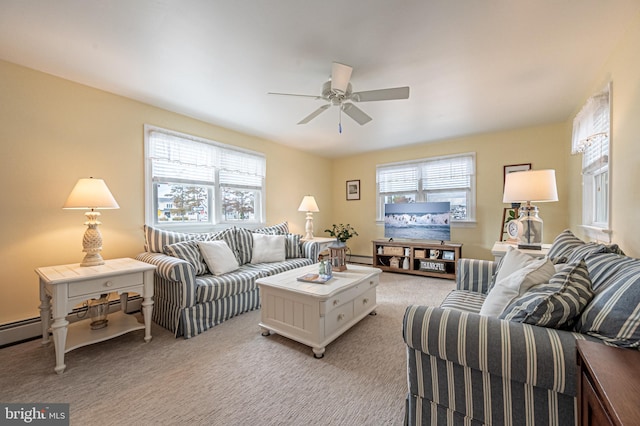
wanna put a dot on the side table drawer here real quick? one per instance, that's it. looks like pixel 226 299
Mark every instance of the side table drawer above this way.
pixel 105 285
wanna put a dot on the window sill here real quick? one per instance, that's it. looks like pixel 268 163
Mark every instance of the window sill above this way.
pixel 598 234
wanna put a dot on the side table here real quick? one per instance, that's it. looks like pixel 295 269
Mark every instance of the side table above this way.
pixel 499 249
pixel 64 286
pixel 608 384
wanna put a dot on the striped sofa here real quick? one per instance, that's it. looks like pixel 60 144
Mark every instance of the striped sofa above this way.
pixel 188 299
pixel 468 369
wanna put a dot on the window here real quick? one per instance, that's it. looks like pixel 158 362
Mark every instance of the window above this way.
pixel 195 182
pixel 591 138
pixel 450 178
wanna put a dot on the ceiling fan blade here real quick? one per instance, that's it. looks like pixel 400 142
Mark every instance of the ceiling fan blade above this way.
pixel 340 76
pixel 381 94
pixel 314 114
pixel 356 113
pixel 293 94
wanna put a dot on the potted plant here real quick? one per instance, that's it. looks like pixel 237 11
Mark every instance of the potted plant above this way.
pixel 342 232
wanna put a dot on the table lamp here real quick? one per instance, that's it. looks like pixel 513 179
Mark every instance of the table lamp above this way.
pixel 308 205
pixel 525 187
pixel 91 194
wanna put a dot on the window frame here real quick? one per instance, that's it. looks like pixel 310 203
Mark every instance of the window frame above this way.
pixel 215 218
pixel 421 194
pixel 594 166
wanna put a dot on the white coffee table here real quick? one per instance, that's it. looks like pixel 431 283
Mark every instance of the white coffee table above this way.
pixel 317 314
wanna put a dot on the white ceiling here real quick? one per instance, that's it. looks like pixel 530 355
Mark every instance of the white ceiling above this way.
pixel 473 65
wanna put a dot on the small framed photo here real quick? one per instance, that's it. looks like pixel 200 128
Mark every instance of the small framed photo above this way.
pixel 515 168
pixel 448 255
pixel 353 190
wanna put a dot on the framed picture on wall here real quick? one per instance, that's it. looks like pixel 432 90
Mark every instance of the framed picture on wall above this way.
pixel 514 168
pixel 353 189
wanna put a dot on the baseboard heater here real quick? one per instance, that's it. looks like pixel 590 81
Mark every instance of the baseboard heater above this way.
pixel 29 329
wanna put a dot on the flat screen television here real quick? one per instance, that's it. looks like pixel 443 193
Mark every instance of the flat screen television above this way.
pixel 421 221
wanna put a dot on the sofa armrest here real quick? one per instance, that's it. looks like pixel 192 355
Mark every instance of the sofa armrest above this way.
pixel 310 250
pixel 519 352
pixel 173 277
pixel 475 275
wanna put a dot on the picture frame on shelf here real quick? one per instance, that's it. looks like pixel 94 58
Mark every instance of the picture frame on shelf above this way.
pixel 514 168
pixel 353 190
pixel 448 255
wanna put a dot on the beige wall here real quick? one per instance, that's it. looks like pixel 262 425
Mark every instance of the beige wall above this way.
pixel 623 70
pixel 54 131
pixel 544 147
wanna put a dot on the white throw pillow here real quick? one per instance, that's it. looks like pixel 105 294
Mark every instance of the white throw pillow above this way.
pixel 524 274
pixel 218 257
pixel 513 260
pixel 268 248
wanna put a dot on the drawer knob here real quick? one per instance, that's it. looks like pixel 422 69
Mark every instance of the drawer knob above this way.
pixel 109 283
pixel 365 301
pixel 335 302
pixel 340 317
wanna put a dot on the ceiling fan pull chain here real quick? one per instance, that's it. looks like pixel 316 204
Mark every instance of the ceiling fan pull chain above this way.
pixel 340 120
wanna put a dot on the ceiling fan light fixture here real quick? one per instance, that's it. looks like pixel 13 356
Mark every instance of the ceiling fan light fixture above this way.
pixel 338 90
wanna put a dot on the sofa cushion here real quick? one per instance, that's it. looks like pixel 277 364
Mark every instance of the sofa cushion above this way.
pixel 156 239
pixel 614 313
pixel 228 236
pixel 518 273
pixel 556 304
pixel 293 246
pixel 563 245
pixel 210 287
pixel 567 248
pixel 464 300
pixel 604 266
pixel 278 267
pixel 218 257
pixel 189 251
pixel 278 229
pixel 268 248
pixel 244 245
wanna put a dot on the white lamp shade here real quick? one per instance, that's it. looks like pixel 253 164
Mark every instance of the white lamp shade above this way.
pixel 90 194
pixel 308 204
pixel 531 185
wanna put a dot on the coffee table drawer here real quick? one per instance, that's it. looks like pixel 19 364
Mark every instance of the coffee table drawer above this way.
pixel 364 302
pixel 105 285
pixel 348 295
pixel 338 318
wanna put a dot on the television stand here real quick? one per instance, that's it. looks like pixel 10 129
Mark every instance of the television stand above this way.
pixel 427 258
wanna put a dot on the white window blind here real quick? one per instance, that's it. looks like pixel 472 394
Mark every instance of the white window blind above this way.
pixel 591 132
pixel 591 138
pixel 178 165
pixel 452 173
pixel 450 178
pixel 402 178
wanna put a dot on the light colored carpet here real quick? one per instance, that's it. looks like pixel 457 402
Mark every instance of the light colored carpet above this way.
pixel 231 375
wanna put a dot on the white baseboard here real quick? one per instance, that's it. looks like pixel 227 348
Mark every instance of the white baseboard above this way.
pixel 362 260
pixel 31 328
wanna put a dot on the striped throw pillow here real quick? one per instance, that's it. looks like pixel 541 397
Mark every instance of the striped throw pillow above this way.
pixel 244 242
pixel 563 245
pixel 156 239
pixel 557 304
pixel 614 313
pixel 279 229
pixel 189 251
pixel 293 246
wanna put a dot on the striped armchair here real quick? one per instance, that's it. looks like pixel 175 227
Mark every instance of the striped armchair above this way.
pixel 464 368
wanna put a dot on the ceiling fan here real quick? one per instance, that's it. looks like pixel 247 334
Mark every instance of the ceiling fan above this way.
pixel 337 91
